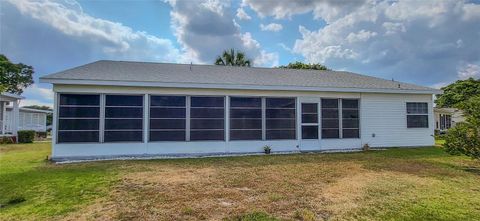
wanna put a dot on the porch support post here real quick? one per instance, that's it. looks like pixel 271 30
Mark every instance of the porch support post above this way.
pixel 15 118
pixel 4 110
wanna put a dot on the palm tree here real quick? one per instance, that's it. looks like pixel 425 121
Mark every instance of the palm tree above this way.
pixel 232 58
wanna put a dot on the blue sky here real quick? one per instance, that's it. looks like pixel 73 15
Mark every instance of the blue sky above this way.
pixel 430 43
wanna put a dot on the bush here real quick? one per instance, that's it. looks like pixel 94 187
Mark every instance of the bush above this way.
pixel 26 136
pixel 464 138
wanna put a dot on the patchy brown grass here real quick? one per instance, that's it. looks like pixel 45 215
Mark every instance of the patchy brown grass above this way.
pixel 287 187
pixel 396 184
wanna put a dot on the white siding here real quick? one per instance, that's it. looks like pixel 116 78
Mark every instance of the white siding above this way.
pixel 381 114
pixel 384 121
pixel 28 121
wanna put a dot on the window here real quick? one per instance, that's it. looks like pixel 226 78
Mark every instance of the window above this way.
pixel 280 118
pixel 417 115
pixel 245 118
pixel 79 118
pixel 309 121
pixel 123 118
pixel 167 118
pixel 207 118
pixel 350 119
pixel 330 119
pixel 445 121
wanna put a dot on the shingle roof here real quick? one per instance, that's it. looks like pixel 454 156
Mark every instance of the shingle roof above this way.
pixel 144 72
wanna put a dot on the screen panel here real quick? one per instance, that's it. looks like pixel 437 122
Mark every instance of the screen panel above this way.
pixel 330 118
pixel 280 118
pixel 79 118
pixel 207 118
pixel 350 118
pixel 167 118
pixel 245 118
pixel 123 118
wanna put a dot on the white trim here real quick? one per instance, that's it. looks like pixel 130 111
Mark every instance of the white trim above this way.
pixel 10 95
pixel 233 86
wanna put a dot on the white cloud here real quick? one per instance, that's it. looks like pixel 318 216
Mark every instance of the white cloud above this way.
pixel 30 102
pixel 469 71
pixel 36 95
pixel 393 28
pixel 275 27
pixel 242 15
pixel 113 39
pixel 421 41
pixel 204 34
pixel 325 9
pixel 286 48
pixel 267 59
pixel 360 36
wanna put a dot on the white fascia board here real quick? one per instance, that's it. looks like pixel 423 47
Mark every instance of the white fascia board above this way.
pixel 12 95
pixel 35 110
pixel 235 87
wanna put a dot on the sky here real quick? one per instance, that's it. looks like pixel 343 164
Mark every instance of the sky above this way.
pixel 426 42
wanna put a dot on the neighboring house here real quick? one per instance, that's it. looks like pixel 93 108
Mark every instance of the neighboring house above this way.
pixel 5 100
pixel 14 118
pixel 445 118
pixel 29 119
pixel 113 108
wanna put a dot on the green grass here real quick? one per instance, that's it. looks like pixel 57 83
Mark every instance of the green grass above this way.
pixel 49 190
pixel 396 184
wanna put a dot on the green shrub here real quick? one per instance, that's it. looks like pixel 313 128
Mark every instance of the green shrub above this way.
pixel 464 138
pixel 26 136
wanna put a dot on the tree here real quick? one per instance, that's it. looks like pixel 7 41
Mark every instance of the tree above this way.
pixel 14 77
pixel 464 138
pixel 233 58
pixel 458 92
pixel 301 65
pixel 49 116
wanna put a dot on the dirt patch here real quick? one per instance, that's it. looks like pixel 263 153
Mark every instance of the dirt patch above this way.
pixel 213 193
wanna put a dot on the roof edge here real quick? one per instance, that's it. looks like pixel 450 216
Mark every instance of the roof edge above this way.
pixel 6 94
pixel 235 87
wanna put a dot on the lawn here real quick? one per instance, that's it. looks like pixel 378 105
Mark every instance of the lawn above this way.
pixel 396 184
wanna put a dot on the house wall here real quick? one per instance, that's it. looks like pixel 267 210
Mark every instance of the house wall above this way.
pixel 28 121
pixel 381 114
pixel 456 116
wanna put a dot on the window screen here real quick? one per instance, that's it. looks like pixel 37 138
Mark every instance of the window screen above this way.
pixel 417 115
pixel 207 118
pixel 79 118
pixel 280 118
pixel 167 118
pixel 330 118
pixel 350 118
pixel 245 118
pixel 123 118
pixel 309 121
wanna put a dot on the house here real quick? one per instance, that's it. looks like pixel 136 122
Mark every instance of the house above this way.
pixel 14 118
pixel 28 119
pixel 111 109
pixel 5 100
pixel 445 118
